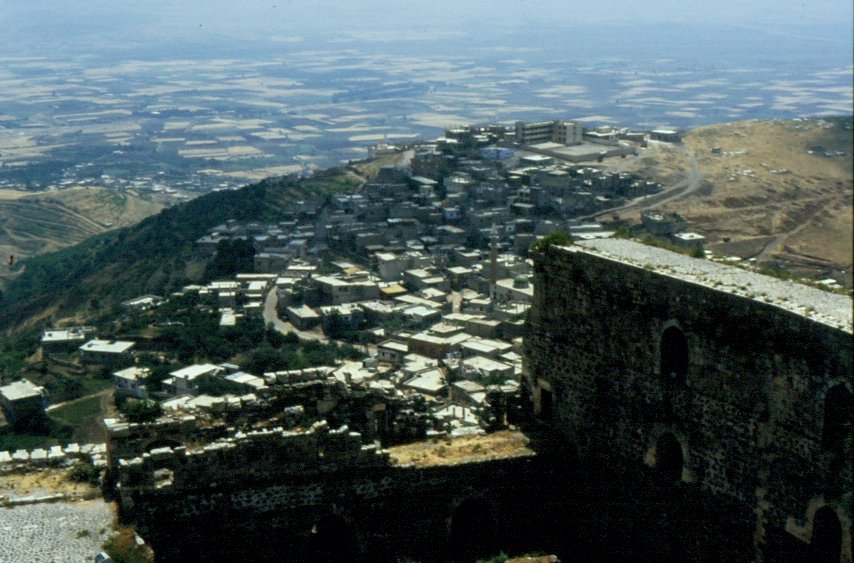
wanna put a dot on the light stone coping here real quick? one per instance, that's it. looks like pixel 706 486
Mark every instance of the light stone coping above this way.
pixel 820 306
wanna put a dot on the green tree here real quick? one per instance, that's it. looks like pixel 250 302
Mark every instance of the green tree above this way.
pixel 140 410
pixel 233 256
pixel 556 238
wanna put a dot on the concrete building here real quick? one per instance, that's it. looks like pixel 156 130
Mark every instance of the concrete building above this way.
pixel 65 340
pixel 481 367
pixel 337 291
pixel 689 240
pixel 21 401
pixel 185 381
pixel 392 351
pixel 107 352
pixel 665 135
pixel 563 132
pixel 131 382
pixel 303 317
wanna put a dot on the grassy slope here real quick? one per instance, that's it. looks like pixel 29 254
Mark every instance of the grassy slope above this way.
pixel 150 257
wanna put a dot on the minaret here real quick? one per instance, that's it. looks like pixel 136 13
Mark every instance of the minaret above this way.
pixel 493 262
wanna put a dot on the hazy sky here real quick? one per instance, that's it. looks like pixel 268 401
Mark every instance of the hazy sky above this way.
pixel 35 23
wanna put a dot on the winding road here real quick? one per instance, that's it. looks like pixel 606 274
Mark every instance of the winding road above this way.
pixel 271 317
pixel 686 186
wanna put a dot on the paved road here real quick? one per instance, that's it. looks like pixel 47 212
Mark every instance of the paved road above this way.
pixel 687 185
pixel 271 316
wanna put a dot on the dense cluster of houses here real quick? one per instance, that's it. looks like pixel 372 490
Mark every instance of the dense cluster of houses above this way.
pixel 425 268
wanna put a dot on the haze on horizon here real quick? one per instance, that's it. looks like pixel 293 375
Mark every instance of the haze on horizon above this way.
pixel 134 29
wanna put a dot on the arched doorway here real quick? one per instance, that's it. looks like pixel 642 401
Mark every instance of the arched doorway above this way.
pixel 838 413
pixel 473 531
pixel 669 460
pixel 826 542
pixel 673 360
pixel 332 539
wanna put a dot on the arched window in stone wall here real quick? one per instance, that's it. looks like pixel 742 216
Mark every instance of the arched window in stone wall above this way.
pixel 826 541
pixel 668 458
pixel 838 413
pixel 673 354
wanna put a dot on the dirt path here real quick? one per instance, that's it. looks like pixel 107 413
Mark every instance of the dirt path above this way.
pixel 774 247
pixel 103 394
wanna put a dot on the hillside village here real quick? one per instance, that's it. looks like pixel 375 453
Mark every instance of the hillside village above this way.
pixel 423 273
pixel 395 312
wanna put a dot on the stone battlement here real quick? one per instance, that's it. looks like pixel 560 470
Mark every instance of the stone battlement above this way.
pixel 243 459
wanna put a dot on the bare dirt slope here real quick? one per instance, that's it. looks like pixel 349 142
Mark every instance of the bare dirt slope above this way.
pixel 777 191
pixel 41 222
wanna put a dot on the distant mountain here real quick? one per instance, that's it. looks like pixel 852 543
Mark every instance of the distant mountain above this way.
pixel 154 256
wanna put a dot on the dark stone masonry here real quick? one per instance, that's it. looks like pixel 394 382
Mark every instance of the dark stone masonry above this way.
pixel 679 410
pixel 711 393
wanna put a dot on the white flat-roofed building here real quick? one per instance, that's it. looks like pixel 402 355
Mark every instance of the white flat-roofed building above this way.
pixel 131 381
pixel 480 367
pixel 337 291
pixel 380 311
pixel 225 285
pixel 689 240
pixel 251 381
pixel 21 400
pixel 422 316
pixel 468 392
pixel 228 317
pixel 392 351
pixel 485 347
pixel 665 135
pixel 430 382
pixel 66 340
pixel 143 302
pixel 303 317
pixel 185 380
pixel 350 315
pixel 256 289
pixel 510 289
pixel 556 131
pixel 107 352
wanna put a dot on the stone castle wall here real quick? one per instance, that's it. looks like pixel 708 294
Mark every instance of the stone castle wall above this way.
pixel 224 498
pixel 746 403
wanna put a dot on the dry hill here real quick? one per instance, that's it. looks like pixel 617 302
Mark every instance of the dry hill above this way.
pixel 778 191
pixel 35 223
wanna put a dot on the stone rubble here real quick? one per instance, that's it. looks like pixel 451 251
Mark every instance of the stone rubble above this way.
pixel 57 532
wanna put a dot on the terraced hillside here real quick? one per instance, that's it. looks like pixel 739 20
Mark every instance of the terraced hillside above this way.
pixel 36 223
pixel 154 256
pixel 777 191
